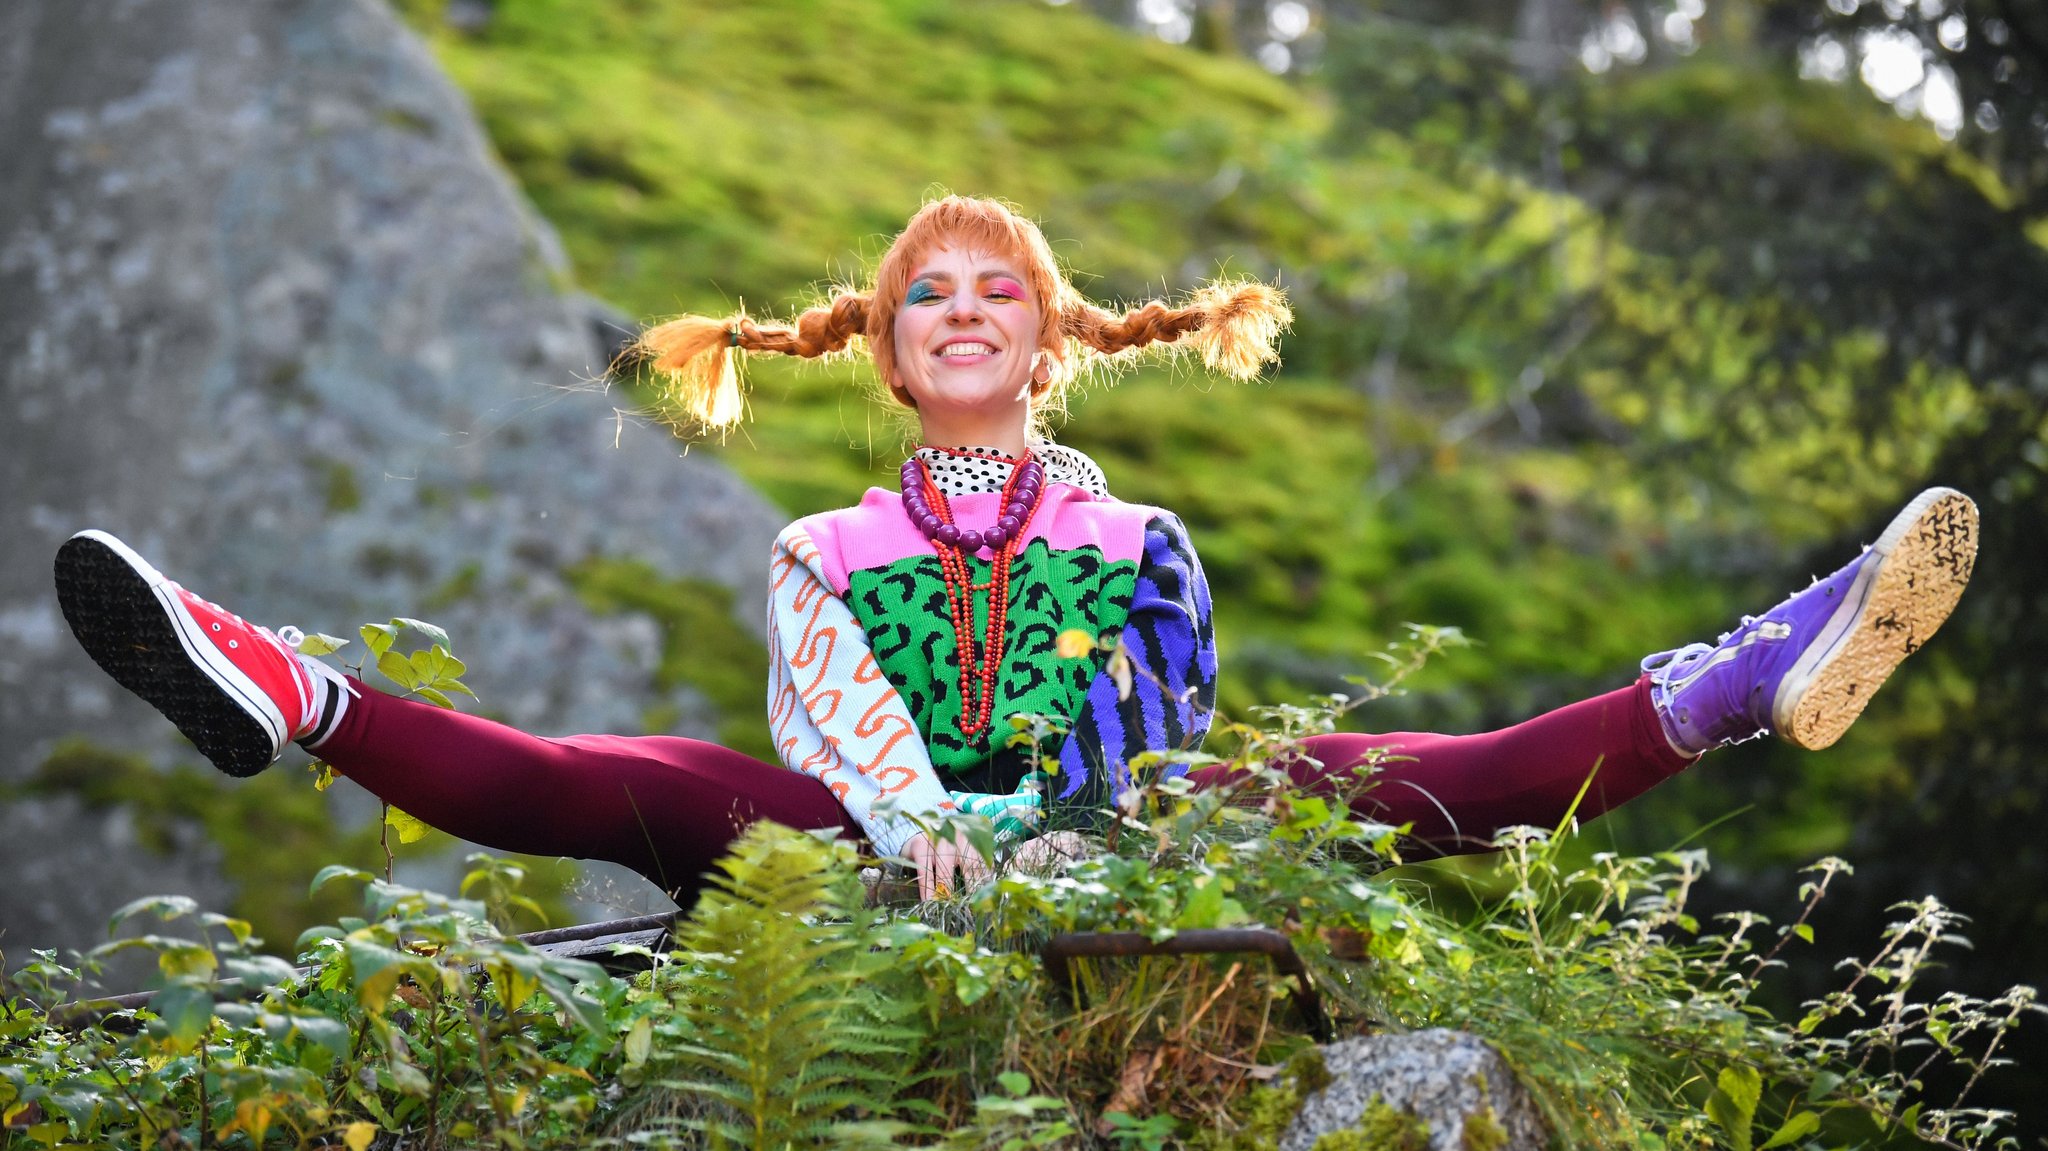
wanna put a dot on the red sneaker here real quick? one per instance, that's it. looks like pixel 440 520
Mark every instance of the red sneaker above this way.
pixel 238 692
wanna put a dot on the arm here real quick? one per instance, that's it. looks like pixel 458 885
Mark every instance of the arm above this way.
pixel 832 713
pixel 1173 688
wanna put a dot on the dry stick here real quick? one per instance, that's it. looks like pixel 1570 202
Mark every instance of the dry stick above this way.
pixel 440 1071
pixel 115 1076
pixel 481 1030
pixel 205 1109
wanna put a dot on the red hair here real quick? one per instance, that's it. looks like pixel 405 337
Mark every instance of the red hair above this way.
pixel 1233 324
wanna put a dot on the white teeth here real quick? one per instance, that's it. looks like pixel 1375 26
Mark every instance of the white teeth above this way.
pixel 967 350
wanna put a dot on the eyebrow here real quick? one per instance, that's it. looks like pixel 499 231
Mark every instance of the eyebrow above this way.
pixel 992 274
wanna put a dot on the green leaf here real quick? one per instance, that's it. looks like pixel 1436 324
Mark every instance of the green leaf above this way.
pixel 177 958
pixel 378 638
pixel 165 907
pixel 427 665
pixel 639 1041
pixel 432 633
pixel 1733 1104
pixel 334 871
pixel 434 697
pixel 1799 1126
pixel 321 1031
pixel 185 1012
pixel 1203 908
pixel 375 971
pixel 398 670
pixel 319 643
pixel 259 970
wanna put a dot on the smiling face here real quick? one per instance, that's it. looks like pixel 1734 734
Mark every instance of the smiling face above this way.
pixel 966 336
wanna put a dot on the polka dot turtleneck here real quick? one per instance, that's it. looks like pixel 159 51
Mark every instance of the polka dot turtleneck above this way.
pixel 965 475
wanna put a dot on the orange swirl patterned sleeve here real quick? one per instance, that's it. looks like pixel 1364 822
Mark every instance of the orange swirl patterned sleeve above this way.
pixel 832 713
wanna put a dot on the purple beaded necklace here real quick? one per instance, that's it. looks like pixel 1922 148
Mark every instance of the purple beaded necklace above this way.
pixel 1022 496
pixel 927 506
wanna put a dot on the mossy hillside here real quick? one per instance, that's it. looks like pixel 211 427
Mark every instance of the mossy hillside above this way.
pixel 678 186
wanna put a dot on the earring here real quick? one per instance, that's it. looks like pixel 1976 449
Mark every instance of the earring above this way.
pixel 1041 369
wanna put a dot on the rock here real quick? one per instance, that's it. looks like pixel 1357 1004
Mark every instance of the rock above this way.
pixel 271 311
pixel 1443 1078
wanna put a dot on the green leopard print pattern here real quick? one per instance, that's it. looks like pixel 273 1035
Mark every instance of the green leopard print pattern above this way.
pixel 902 608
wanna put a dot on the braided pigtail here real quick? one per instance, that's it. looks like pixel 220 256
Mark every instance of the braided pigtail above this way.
pixel 696 358
pixel 1232 324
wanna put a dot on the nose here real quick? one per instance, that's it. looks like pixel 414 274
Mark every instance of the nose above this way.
pixel 964 309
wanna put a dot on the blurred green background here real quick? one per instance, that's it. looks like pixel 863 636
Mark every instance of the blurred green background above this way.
pixel 1615 320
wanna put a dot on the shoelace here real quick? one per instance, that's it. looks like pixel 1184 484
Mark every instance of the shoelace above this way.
pixel 1664 665
pixel 292 638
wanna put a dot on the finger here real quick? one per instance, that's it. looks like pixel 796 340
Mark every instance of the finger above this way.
pixel 946 863
pixel 918 850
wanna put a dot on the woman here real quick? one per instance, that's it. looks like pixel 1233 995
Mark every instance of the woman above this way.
pixel 907 630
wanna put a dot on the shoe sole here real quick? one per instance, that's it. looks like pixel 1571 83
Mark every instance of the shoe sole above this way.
pixel 1917 572
pixel 130 622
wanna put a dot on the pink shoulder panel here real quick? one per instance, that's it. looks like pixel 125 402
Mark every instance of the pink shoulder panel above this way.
pixel 876 533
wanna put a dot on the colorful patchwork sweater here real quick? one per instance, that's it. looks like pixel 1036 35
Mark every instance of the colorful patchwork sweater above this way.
pixel 863 689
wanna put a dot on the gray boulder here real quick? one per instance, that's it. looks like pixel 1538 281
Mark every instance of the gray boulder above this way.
pixel 271 311
pixel 1446 1079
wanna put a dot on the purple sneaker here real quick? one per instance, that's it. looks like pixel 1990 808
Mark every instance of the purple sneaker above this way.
pixel 1805 669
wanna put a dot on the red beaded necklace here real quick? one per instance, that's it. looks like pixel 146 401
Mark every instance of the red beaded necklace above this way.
pixel 981 663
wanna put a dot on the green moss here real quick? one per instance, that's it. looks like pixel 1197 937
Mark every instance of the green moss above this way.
pixel 1483 1132
pixel 340 490
pixel 702 645
pixel 1263 1114
pixel 1383 1127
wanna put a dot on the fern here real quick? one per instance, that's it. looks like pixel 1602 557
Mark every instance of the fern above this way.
pixel 782 1021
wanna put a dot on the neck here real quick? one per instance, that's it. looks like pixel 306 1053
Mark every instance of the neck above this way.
pixel 1004 434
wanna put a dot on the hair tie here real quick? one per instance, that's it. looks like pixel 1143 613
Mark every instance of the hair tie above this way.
pixel 732 336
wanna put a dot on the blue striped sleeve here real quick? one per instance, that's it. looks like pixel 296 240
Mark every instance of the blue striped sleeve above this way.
pixel 1173 686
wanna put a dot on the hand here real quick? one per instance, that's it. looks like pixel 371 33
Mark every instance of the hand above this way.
pixel 1048 853
pixel 937 863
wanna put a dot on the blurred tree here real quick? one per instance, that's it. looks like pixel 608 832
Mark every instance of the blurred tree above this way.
pixel 1842 277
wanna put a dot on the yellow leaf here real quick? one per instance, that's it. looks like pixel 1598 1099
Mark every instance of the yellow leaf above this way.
pixel 323 775
pixel 410 829
pixel 1120 671
pixel 639 1041
pixel 358 1135
pixel 1075 643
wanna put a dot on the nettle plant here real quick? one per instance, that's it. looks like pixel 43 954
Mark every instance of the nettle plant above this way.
pixel 794 1009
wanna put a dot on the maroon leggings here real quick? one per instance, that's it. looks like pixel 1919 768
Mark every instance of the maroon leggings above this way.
pixel 668 807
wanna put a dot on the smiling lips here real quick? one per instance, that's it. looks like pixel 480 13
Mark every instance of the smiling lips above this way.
pixel 971 350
